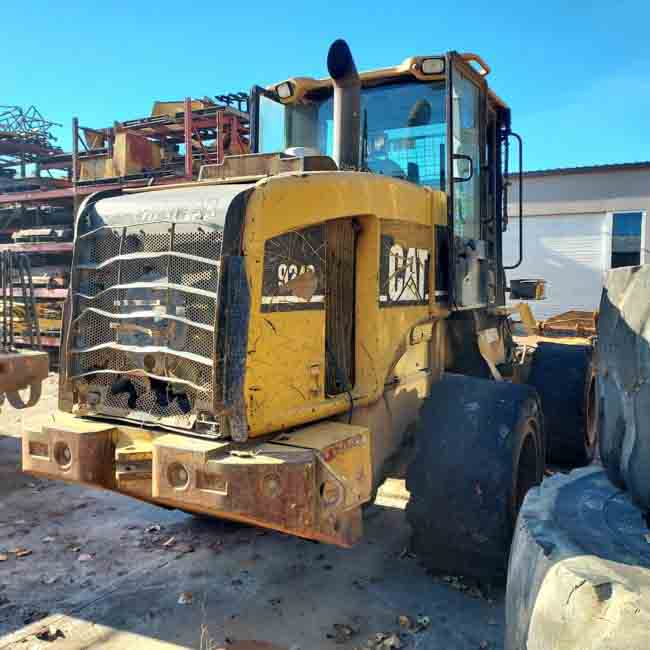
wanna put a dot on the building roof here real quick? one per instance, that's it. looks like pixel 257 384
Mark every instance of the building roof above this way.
pixel 645 164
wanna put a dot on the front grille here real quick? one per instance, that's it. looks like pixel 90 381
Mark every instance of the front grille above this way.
pixel 142 337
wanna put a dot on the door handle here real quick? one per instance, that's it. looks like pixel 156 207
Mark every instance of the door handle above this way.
pixel 462 156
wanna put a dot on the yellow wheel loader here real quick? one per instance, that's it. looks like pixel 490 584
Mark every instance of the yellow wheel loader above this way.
pixel 261 344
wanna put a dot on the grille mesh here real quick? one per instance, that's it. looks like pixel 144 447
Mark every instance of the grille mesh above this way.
pixel 178 410
pixel 197 308
pixel 156 365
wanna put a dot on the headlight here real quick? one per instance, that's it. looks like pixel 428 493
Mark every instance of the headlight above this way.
pixel 284 90
pixel 432 66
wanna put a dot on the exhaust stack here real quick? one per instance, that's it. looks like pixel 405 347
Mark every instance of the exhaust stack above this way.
pixel 347 105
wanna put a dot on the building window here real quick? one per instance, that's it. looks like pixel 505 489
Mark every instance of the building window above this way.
pixel 626 239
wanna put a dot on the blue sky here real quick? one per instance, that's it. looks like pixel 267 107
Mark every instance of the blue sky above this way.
pixel 576 74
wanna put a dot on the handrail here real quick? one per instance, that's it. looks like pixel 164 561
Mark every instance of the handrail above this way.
pixel 471 56
pixel 520 174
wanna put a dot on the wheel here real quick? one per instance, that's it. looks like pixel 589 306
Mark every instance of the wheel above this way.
pixel 479 448
pixel 579 573
pixel 623 377
pixel 564 376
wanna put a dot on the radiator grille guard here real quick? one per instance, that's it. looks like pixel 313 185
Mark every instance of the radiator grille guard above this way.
pixel 141 338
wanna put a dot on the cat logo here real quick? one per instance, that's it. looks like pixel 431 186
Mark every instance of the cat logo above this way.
pixel 404 274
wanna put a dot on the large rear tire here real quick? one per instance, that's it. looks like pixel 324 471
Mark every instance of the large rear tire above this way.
pixel 564 376
pixel 579 573
pixel 479 448
pixel 624 379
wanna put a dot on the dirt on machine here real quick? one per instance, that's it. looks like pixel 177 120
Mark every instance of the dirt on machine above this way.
pixel 263 345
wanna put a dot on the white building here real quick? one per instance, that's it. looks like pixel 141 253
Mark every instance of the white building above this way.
pixel 578 223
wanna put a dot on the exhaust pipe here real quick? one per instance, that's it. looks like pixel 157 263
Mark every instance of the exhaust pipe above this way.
pixel 347 105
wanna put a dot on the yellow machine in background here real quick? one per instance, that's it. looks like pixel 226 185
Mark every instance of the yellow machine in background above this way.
pixel 262 344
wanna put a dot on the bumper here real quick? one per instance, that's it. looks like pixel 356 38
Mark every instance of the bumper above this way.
pixel 311 482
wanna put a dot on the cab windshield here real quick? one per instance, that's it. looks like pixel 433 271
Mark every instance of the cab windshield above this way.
pixel 402 128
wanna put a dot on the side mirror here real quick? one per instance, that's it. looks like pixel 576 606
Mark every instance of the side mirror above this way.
pixel 527 289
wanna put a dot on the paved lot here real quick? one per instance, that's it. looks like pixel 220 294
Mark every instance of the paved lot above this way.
pixel 92 569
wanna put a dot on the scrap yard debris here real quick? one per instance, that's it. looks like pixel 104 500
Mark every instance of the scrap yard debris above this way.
pixel 382 641
pixel 393 640
pixel 342 633
pixel 185 598
pixel 420 624
pixel 50 633
pixel 456 582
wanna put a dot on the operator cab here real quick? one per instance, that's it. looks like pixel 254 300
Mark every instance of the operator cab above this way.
pixel 402 124
pixel 430 121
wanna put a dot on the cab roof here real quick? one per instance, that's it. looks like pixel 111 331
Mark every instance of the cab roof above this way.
pixel 411 66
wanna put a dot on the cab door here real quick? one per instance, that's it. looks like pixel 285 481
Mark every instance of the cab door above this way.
pixel 466 203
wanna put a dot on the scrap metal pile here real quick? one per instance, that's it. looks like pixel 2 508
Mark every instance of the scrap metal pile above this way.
pixel 25 138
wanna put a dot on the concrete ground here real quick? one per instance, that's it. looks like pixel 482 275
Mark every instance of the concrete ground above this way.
pixel 83 568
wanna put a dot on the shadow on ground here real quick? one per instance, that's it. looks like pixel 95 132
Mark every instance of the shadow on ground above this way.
pixel 90 568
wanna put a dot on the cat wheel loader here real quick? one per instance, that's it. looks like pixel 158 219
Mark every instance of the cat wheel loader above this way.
pixel 262 344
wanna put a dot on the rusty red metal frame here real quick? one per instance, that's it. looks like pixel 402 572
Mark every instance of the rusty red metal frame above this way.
pixel 224 121
pixel 58 294
pixel 75 149
pixel 25 137
pixel 188 138
pixel 46 341
pixel 220 130
pixel 38 247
